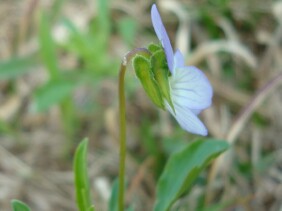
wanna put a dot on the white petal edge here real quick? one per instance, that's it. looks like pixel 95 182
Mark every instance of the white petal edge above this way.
pixel 178 60
pixel 188 120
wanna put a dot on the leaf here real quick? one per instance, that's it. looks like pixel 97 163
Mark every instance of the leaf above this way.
pixel 92 208
pixel 47 47
pixel 104 18
pixel 55 10
pixel 15 67
pixel 113 203
pixel 183 168
pixel 77 42
pixel 19 206
pixel 81 179
pixel 128 28
pixel 52 93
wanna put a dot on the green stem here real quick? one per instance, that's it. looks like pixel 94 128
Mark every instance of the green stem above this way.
pixel 122 121
pixel 122 136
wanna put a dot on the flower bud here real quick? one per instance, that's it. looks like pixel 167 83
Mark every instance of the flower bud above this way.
pixel 161 73
pixel 143 71
pixel 154 47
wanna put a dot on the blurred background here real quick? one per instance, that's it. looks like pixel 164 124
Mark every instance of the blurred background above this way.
pixel 59 63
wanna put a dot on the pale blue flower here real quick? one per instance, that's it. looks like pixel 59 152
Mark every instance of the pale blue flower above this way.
pixel 190 89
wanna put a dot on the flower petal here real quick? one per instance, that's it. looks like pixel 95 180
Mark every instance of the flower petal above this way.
pixel 188 120
pixel 196 111
pixel 190 88
pixel 178 60
pixel 162 35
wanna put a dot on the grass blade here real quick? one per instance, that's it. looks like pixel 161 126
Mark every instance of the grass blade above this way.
pixel 47 47
pixel 82 186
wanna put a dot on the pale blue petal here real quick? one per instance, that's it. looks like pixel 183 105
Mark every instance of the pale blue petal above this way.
pixel 162 35
pixel 178 60
pixel 188 120
pixel 196 111
pixel 190 88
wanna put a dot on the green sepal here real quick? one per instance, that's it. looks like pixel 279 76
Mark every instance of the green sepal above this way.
pixel 154 47
pixel 161 73
pixel 142 69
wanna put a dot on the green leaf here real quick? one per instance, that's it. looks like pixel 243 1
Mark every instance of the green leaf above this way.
pixel 113 203
pixel 127 28
pixel 92 208
pixel 55 10
pixel 19 206
pixel 183 168
pixel 78 42
pixel 15 67
pixel 52 93
pixel 141 66
pixel 47 47
pixel 104 19
pixel 81 179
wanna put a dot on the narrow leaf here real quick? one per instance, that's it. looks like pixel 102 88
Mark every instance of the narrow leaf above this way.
pixel 19 206
pixel 81 179
pixel 92 208
pixel 113 203
pixel 52 93
pixel 183 168
pixel 128 28
pixel 15 67
pixel 47 47
pixel 56 9
pixel 78 42
pixel 104 17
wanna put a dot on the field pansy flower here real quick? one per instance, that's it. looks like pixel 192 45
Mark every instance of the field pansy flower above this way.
pixel 190 90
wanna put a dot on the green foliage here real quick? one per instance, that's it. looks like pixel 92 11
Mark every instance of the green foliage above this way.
pixel 15 67
pixel 103 19
pixel 183 168
pixel 82 186
pixel 127 29
pixel 53 92
pixel 47 47
pixel 56 9
pixel 19 206
pixel 113 203
pixel 91 46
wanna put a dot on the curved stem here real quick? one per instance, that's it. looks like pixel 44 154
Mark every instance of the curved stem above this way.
pixel 122 136
pixel 122 121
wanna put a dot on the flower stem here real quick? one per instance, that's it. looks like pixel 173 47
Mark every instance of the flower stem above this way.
pixel 122 122
pixel 122 136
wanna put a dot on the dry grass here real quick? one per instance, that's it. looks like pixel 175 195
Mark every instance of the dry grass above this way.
pixel 36 157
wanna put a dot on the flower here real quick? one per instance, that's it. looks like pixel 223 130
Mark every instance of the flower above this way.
pixel 190 90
